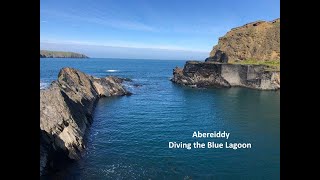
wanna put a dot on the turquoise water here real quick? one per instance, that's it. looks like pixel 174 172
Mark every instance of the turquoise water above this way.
pixel 129 135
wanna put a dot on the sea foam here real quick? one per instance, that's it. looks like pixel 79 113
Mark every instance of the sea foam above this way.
pixel 112 70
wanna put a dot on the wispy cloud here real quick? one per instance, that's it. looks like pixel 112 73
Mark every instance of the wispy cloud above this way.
pixel 98 17
pixel 100 20
pixel 44 21
pixel 123 44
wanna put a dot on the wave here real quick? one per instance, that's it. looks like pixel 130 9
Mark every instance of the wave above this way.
pixel 112 70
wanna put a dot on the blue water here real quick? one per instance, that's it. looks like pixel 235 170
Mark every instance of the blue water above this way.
pixel 129 135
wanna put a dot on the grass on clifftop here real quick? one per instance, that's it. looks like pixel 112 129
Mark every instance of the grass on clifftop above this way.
pixel 274 65
pixel 61 54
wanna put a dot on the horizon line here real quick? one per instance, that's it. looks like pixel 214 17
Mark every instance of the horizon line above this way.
pixel 119 46
pixel 128 58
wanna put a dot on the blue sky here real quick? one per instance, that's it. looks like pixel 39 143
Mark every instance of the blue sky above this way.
pixel 149 29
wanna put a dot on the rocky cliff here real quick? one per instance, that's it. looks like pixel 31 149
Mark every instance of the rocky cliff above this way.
pixel 66 109
pixel 259 41
pixel 60 54
pixel 247 56
pixel 212 74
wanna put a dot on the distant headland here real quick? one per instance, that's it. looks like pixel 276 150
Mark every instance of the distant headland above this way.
pixel 60 54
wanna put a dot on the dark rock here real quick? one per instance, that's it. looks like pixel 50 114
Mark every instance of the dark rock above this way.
pixel 124 79
pixel 200 75
pixel 137 85
pixel 213 74
pixel 66 109
pixel 127 79
pixel 219 56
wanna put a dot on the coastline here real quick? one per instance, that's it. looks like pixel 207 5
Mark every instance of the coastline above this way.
pixel 124 128
pixel 61 54
pixel 200 74
pixel 66 108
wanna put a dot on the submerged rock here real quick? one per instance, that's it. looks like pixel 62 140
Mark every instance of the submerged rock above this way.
pixel 126 79
pixel 212 74
pixel 137 85
pixel 66 109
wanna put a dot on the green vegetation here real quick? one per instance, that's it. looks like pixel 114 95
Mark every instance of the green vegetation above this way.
pixel 273 65
pixel 60 54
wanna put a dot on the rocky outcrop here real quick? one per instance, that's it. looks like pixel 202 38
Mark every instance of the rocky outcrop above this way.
pixel 60 54
pixel 247 56
pixel 258 41
pixel 212 74
pixel 66 109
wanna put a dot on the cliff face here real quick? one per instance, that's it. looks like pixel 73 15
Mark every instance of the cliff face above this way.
pixel 259 41
pixel 60 54
pixel 247 56
pixel 211 74
pixel 66 109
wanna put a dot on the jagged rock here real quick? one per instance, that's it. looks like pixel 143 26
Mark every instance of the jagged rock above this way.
pixel 259 41
pixel 193 75
pixel 239 59
pixel 66 109
pixel 125 79
pixel 212 74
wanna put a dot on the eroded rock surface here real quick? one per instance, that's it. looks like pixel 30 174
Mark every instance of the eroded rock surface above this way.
pixel 212 74
pixel 66 109
pixel 258 41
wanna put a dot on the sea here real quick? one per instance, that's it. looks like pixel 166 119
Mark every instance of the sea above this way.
pixel 129 137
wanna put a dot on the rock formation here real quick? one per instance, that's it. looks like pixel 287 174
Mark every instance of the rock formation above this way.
pixel 258 41
pixel 212 74
pixel 66 109
pixel 247 56
pixel 60 54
